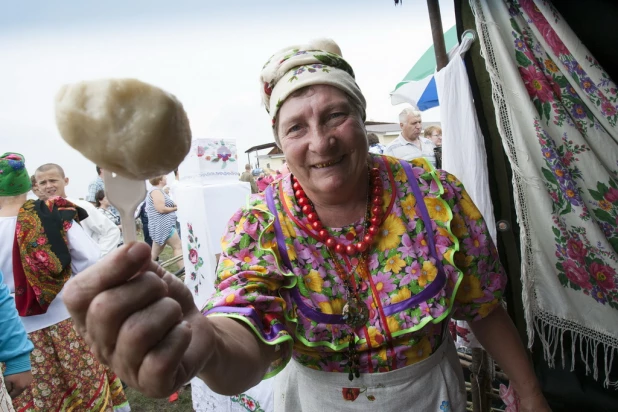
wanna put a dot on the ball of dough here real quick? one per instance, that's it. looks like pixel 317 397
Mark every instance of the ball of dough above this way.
pixel 124 125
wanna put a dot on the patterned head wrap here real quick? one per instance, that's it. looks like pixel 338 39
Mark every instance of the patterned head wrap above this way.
pixel 295 67
pixel 14 178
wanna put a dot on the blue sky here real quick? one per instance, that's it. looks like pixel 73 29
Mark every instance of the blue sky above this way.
pixel 208 53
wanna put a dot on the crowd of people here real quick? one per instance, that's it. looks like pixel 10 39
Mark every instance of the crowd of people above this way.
pixel 264 177
pixel 45 243
pixel 339 279
pixel 49 366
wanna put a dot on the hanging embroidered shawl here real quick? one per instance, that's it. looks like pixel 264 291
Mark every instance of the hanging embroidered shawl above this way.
pixel 41 258
pixel 557 109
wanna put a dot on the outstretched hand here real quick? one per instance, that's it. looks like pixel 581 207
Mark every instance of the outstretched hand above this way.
pixel 140 320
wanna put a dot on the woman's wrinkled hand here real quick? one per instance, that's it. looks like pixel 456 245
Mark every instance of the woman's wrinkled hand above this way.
pixel 534 402
pixel 139 320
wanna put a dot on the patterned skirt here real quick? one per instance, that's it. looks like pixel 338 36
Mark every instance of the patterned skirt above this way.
pixel 67 377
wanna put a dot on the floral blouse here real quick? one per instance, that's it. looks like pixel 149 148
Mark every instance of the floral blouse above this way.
pixel 292 307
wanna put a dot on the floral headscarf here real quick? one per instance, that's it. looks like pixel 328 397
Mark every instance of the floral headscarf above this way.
pixel 295 67
pixel 14 178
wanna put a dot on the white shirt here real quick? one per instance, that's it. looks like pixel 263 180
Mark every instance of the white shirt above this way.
pixel 84 253
pixel 402 149
pixel 102 230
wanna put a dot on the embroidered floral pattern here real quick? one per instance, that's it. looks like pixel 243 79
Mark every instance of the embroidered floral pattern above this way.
pixel 586 253
pixel 196 260
pixel 218 152
pixel 250 404
pixel 253 285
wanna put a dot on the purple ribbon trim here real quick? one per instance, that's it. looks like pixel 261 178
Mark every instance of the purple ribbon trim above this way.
pixel 283 251
pixel 252 314
pixel 439 282
pixel 312 314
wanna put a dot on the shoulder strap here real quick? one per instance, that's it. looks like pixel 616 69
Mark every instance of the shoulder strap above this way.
pixel 424 213
pixel 283 251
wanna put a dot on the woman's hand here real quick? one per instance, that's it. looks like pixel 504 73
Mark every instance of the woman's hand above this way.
pixel 17 383
pixel 534 402
pixel 140 320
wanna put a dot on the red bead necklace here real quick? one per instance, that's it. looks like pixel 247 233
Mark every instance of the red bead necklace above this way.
pixel 375 218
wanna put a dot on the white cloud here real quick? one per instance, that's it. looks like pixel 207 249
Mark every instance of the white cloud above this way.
pixel 211 67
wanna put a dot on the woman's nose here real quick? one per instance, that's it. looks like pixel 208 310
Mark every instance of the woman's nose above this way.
pixel 321 140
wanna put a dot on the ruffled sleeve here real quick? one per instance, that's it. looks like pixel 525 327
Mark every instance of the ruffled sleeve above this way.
pixel 249 278
pixel 484 279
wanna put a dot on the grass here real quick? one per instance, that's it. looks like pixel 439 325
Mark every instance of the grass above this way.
pixel 142 403
pixel 165 255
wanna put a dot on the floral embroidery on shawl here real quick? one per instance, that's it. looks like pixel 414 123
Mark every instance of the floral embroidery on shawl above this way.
pixel 41 258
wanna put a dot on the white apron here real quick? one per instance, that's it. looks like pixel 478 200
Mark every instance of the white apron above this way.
pixel 434 384
pixel 5 400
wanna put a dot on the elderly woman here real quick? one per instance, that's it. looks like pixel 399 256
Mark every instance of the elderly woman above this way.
pixel 434 133
pixel 347 271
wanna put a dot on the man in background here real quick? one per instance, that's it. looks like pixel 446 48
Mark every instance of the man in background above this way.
pixel 410 144
pixel 51 181
pixel 247 176
pixel 94 186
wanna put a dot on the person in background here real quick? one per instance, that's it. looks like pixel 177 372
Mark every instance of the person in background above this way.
pixel 247 176
pixel 434 133
pixel 410 144
pixel 104 207
pixel 94 186
pixel 173 187
pixel 263 181
pixel 375 146
pixel 35 189
pixel 140 213
pixel 15 348
pixel 43 246
pixel 161 211
pixel 52 181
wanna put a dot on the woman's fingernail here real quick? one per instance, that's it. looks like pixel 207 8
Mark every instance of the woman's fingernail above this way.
pixel 136 253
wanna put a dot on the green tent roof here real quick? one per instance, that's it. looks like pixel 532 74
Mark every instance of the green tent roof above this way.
pixel 426 65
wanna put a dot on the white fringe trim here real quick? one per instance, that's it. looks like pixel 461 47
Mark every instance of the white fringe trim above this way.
pixel 549 328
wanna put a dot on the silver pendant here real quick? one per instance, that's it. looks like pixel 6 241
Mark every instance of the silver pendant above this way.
pixel 355 313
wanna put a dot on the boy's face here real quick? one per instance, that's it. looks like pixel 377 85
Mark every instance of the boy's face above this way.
pixel 51 183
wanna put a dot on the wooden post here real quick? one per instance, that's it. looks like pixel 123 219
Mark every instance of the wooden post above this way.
pixel 437 33
pixel 480 381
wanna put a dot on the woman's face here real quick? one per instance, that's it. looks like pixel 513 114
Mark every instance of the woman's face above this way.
pixel 436 137
pixel 163 181
pixel 104 202
pixel 324 141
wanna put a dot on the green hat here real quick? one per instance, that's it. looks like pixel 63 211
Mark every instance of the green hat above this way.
pixel 14 178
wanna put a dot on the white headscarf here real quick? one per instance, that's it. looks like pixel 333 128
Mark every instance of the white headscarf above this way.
pixel 295 67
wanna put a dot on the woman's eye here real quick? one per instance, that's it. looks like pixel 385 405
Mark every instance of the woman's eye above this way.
pixel 293 129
